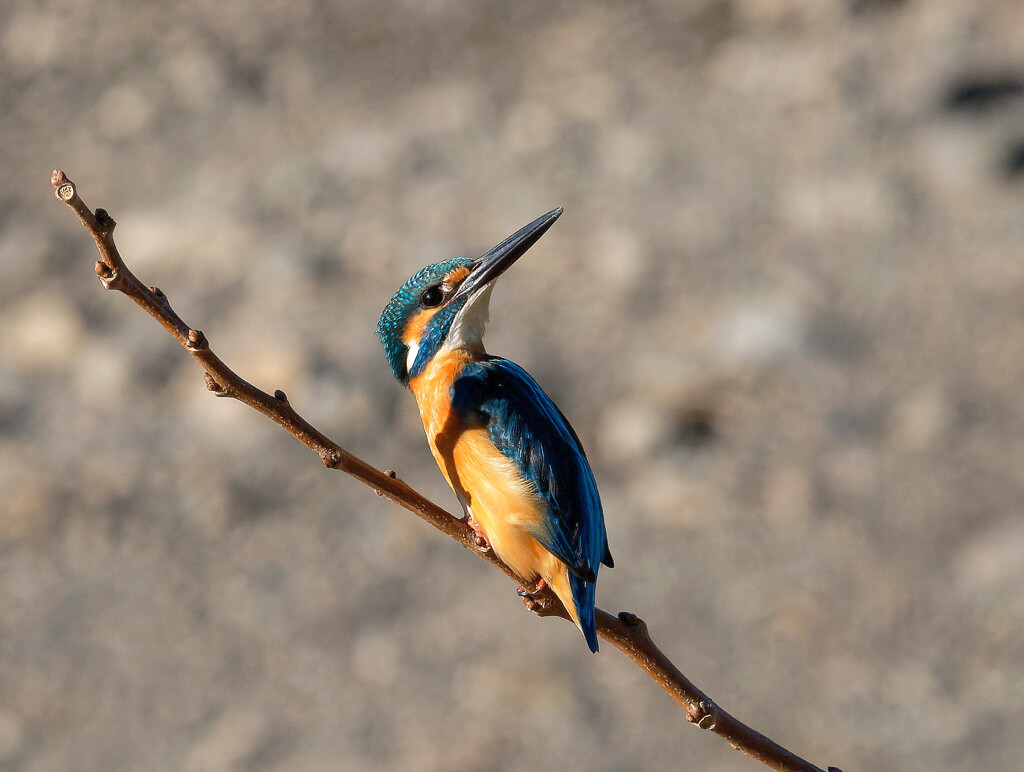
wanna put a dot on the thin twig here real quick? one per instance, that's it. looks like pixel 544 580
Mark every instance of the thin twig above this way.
pixel 627 632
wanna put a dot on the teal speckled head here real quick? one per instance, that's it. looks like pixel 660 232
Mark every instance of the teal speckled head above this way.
pixel 415 308
pixel 445 304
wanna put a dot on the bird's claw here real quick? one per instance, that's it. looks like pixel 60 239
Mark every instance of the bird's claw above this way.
pixel 531 604
pixel 529 592
pixel 479 537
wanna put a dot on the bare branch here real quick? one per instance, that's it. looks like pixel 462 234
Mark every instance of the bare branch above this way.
pixel 627 632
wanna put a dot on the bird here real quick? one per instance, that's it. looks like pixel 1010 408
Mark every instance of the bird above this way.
pixel 510 455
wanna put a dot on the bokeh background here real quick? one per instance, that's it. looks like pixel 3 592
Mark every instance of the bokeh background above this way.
pixel 784 310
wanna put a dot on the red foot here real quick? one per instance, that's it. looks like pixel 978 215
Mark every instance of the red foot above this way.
pixel 479 538
pixel 528 592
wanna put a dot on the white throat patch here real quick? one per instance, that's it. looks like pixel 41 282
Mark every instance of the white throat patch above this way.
pixel 410 358
pixel 467 331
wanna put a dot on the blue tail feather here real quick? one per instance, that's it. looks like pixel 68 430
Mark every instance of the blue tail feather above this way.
pixel 583 593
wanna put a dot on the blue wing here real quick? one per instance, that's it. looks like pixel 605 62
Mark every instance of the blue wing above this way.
pixel 526 427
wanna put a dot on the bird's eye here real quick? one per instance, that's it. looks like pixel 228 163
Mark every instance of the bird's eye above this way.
pixel 431 297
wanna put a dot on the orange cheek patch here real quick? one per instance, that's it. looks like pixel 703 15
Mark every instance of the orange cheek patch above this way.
pixel 417 326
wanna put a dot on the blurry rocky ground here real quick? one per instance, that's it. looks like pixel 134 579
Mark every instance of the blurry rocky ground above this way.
pixel 784 309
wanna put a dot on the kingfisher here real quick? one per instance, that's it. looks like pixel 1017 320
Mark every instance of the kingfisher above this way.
pixel 509 454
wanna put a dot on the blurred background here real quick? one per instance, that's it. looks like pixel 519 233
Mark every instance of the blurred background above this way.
pixel 784 309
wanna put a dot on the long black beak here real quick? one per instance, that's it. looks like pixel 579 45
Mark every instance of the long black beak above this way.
pixel 497 260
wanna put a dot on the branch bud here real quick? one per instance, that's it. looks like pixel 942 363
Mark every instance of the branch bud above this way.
pixel 212 385
pixel 105 220
pixel 196 340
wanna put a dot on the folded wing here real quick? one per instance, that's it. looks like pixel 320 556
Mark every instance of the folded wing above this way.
pixel 526 427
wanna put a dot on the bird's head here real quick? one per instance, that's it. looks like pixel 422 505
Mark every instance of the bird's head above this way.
pixel 445 304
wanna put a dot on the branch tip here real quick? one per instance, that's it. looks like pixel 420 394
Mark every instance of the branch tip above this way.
pixel 63 188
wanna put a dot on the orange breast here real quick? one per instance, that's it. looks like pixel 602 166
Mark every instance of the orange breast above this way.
pixel 488 483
